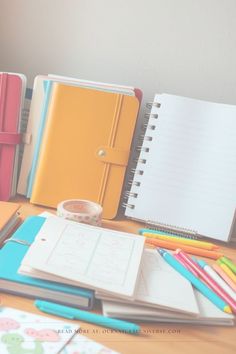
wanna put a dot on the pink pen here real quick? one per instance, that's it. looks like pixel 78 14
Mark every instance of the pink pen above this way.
pixel 211 283
pixel 181 260
pixel 224 276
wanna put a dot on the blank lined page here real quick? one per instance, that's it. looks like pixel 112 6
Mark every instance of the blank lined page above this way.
pixel 188 179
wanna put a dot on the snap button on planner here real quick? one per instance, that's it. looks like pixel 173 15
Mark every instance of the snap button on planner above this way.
pixel 101 152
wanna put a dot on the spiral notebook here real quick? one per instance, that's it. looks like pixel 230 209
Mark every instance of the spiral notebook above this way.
pixel 185 178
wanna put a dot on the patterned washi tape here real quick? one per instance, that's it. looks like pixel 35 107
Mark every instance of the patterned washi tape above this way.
pixel 80 210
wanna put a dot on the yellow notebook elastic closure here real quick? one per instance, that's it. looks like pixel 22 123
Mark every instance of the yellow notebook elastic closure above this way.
pixel 85 147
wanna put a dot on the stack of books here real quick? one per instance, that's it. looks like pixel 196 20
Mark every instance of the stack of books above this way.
pixel 11 256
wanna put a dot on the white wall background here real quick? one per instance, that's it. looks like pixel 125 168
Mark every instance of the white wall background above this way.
pixel 185 47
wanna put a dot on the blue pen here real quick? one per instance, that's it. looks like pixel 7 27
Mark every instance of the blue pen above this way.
pixel 199 285
pixel 75 314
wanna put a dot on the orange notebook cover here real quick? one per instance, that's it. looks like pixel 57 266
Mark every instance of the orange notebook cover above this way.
pixel 85 147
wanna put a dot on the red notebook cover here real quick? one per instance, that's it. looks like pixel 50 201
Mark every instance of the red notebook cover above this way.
pixel 11 87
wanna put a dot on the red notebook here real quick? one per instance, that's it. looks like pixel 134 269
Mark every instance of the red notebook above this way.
pixel 12 91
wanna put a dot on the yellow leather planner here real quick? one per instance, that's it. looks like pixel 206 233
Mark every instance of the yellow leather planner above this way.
pixel 85 147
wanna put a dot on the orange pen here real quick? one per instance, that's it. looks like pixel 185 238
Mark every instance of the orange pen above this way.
pixel 185 241
pixel 192 250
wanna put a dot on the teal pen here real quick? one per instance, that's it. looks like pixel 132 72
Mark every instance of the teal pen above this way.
pixel 141 232
pixel 199 285
pixel 75 314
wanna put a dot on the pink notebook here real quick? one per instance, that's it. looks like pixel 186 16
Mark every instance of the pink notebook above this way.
pixel 12 87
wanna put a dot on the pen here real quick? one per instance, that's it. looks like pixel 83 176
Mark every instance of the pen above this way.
pixel 192 250
pixel 204 289
pixel 182 240
pixel 217 278
pixel 229 263
pixel 75 314
pixel 180 259
pixel 224 276
pixel 208 280
pixel 227 270
pixel 141 231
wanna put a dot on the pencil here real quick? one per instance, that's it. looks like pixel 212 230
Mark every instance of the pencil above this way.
pixel 182 240
pixel 180 260
pixel 224 276
pixel 227 270
pixel 215 276
pixel 192 250
pixel 229 263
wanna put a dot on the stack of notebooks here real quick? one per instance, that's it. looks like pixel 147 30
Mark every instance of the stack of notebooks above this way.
pixel 12 94
pixel 133 282
pixel 82 259
pixel 11 255
pixel 183 180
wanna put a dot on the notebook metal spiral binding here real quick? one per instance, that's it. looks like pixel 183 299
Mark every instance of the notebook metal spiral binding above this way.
pixel 131 194
pixel 138 160
pixel 139 149
pixel 143 137
pixel 148 126
pixel 134 171
pixel 127 205
pixel 150 115
pixel 171 229
pixel 134 183
pixel 149 105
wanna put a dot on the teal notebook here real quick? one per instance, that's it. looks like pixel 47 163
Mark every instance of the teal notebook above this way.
pixel 47 87
pixel 11 256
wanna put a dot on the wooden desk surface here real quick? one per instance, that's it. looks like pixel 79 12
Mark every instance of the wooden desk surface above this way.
pixel 155 337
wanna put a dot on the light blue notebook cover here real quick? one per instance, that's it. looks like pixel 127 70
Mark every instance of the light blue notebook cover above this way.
pixel 11 256
pixel 43 119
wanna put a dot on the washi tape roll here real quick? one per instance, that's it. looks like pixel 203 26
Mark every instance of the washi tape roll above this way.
pixel 80 210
